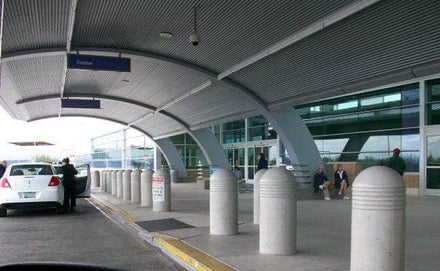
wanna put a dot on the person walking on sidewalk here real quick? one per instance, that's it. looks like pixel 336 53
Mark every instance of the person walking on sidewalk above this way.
pixel 69 173
pixel 396 162
pixel 262 162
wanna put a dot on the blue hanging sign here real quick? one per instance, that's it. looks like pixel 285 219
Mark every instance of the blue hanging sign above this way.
pixel 80 103
pixel 100 63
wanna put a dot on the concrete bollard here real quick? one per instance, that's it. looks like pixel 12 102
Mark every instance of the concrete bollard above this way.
pixel 174 176
pixel 136 186
pixel 103 180
pixel 114 181
pixel 108 187
pixel 257 178
pixel 95 178
pixel 119 183
pixel 277 212
pixel 146 187
pixel 126 182
pixel 223 203
pixel 161 190
pixel 378 221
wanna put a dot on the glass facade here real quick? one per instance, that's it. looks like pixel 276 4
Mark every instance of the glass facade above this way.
pixel 188 150
pixel 367 127
pixel 125 148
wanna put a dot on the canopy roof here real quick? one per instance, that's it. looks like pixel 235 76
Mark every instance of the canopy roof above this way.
pixel 269 53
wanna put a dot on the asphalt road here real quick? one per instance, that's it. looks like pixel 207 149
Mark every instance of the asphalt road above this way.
pixel 85 236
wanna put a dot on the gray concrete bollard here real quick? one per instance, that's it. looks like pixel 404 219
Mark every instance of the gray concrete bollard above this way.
pixel 378 221
pixel 174 176
pixel 126 182
pixel 257 178
pixel 277 212
pixel 146 187
pixel 161 190
pixel 103 180
pixel 136 186
pixel 119 183
pixel 109 186
pixel 223 203
pixel 95 178
pixel 114 186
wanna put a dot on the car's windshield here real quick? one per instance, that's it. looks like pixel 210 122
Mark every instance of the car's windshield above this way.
pixel 19 170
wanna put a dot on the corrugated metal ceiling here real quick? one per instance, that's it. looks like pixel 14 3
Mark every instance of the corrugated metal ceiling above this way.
pixel 230 30
pixel 34 24
pixel 386 37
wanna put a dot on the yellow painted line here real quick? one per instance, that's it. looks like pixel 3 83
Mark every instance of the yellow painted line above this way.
pixel 115 210
pixel 190 255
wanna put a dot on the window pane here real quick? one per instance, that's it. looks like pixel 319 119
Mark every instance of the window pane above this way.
pixel 433 90
pixel 234 136
pixel 433 178
pixel 433 150
pixel 434 114
pixel 251 156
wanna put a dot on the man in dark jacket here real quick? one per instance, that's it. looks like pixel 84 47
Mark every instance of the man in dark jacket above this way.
pixel 341 181
pixel 69 173
pixel 396 162
pixel 3 166
pixel 320 182
pixel 262 162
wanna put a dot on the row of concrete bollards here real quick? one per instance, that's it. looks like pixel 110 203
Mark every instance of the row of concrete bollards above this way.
pixel 378 214
pixel 143 187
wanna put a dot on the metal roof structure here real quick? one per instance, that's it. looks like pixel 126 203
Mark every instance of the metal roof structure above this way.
pixel 253 55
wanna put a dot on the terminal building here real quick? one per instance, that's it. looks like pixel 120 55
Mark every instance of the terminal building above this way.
pixel 358 130
pixel 309 85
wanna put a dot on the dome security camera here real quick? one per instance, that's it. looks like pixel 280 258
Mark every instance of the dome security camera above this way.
pixel 194 39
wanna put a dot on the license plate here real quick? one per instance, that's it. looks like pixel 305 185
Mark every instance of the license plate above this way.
pixel 29 195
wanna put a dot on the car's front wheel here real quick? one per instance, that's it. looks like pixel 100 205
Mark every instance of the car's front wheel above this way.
pixel 3 212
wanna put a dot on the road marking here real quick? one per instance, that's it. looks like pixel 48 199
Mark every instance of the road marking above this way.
pixel 113 209
pixel 196 258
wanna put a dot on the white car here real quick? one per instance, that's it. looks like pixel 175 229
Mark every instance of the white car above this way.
pixel 36 185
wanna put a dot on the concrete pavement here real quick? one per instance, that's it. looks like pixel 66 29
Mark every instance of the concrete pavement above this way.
pixel 85 236
pixel 323 231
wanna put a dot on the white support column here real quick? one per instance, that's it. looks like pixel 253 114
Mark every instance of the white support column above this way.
pixel 157 158
pixel 422 123
pixel 173 158
pixel 211 148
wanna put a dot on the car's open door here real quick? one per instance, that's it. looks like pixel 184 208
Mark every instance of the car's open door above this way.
pixel 83 181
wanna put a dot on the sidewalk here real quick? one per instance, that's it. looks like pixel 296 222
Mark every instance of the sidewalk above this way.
pixel 323 232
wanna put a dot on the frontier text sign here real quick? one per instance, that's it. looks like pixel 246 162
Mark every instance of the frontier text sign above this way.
pixel 101 63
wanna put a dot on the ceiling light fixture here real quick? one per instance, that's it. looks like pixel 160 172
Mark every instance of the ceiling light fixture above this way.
pixel 165 35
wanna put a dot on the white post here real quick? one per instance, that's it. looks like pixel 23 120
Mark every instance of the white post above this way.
pixel 95 178
pixel 257 178
pixel 119 184
pixel 136 186
pixel 110 181
pixel 161 191
pixel 378 221
pixel 223 203
pixel 103 180
pixel 146 187
pixel 126 183
pixel 277 212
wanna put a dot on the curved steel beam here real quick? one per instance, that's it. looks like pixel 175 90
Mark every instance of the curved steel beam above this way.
pixel 169 159
pixel 211 160
pixel 90 116
pixel 87 95
pixel 275 117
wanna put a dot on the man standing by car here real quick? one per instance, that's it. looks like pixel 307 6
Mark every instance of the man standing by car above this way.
pixel 3 166
pixel 69 173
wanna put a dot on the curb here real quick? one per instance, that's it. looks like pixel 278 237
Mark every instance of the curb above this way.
pixel 188 256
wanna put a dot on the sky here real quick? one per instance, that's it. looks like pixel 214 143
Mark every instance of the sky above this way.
pixel 70 136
